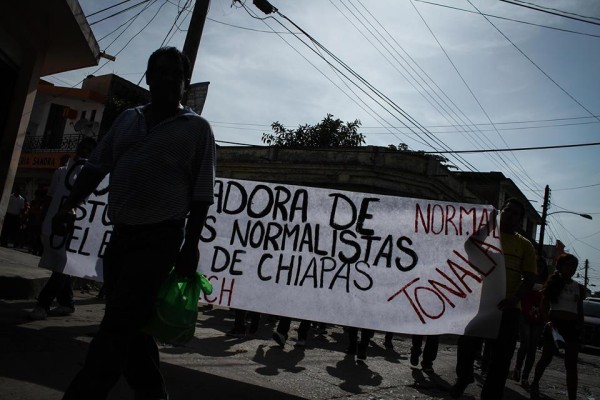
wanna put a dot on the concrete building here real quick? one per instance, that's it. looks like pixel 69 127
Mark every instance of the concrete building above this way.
pixel 494 188
pixel 31 46
pixel 371 169
pixel 62 116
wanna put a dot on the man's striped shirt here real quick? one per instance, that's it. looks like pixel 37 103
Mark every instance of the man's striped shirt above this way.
pixel 155 174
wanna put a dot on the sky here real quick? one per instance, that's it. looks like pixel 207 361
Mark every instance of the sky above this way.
pixel 437 75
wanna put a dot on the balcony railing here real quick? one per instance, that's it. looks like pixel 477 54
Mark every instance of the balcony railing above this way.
pixel 66 143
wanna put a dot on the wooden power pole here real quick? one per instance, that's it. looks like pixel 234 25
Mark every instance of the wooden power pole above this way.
pixel 194 34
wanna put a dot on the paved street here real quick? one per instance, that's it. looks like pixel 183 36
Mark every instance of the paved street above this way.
pixel 38 359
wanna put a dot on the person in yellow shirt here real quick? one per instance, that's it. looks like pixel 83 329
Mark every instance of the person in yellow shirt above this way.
pixel 520 265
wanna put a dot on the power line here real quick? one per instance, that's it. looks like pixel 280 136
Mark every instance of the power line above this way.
pixel 557 10
pixel 548 11
pixel 517 175
pixel 509 19
pixel 376 92
pixel 324 75
pixel 562 146
pixel 107 8
pixel 249 29
pixel 120 12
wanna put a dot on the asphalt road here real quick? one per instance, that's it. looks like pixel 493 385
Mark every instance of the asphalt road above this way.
pixel 38 359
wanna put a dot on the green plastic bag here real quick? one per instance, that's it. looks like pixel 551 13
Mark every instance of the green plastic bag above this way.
pixel 177 308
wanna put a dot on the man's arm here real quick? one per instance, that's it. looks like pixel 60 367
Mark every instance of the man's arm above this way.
pixel 87 181
pixel 187 261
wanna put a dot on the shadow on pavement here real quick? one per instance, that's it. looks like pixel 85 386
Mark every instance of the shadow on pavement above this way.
pixel 354 374
pixel 49 357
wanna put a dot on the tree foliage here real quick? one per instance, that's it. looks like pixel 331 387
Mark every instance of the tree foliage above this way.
pixel 327 133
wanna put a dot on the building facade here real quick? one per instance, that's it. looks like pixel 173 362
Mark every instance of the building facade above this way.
pixel 32 47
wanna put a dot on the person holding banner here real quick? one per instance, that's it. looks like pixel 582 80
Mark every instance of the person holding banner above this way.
pixel 161 161
pixel 562 310
pixel 429 352
pixel 59 286
pixel 530 326
pixel 520 269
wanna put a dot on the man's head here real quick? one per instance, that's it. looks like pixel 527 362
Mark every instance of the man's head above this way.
pixel 168 76
pixel 85 147
pixel 511 215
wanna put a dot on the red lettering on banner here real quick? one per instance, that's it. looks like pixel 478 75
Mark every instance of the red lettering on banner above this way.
pixel 447 220
pixel 422 298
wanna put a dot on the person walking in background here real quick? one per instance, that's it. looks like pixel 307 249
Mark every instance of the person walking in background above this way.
pixel 35 218
pixel 239 323
pixel 12 219
pixel 161 160
pixel 283 327
pixel 562 309
pixel 359 347
pixel 530 325
pixel 429 352
pixel 520 269
pixel 59 286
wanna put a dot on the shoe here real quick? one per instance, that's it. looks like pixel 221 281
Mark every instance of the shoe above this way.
pixel 459 388
pixel 414 358
pixel 279 338
pixel 236 332
pixel 300 343
pixel 38 314
pixel 427 368
pixel 517 375
pixel 61 311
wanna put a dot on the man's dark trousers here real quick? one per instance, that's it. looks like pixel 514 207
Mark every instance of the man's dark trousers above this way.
pixel 136 263
pixel 59 286
pixel 503 348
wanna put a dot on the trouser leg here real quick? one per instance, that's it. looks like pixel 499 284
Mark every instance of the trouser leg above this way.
pixel 535 330
pixel 467 348
pixel 303 329
pixel 430 350
pixel 283 326
pixel 417 343
pixel 135 265
pixel 352 339
pixel 502 352
pixel 65 293
pixel 50 290
pixel 239 324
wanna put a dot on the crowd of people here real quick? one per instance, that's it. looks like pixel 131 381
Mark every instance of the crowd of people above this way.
pixel 23 220
pixel 161 160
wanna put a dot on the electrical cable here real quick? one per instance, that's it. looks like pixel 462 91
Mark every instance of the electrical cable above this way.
pixel 378 93
pixel 322 73
pixel 533 63
pixel 119 12
pixel 562 146
pixel 517 175
pixel 557 10
pixel 550 12
pixel 107 8
pixel 509 19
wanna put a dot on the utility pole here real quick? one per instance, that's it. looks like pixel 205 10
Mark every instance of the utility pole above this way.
pixel 585 277
pixel 194 34
pixel 544 215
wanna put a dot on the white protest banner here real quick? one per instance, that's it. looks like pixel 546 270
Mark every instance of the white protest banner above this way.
pixel 372 261
pixel 382 262
pixel 81 255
